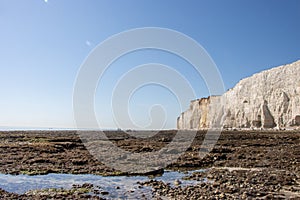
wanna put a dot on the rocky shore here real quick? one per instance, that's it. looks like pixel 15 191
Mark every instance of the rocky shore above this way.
pixel 85 191
pixel 233 183
pixel 242 165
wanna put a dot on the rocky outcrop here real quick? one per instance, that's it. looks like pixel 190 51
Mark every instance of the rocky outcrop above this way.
pixel 269 99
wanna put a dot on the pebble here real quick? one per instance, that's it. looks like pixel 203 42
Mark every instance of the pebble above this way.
pixel 177 182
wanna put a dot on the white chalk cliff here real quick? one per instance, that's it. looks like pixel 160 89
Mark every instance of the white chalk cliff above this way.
pixel 269 99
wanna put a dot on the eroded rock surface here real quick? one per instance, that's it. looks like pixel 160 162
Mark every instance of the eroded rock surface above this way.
pixel 269 99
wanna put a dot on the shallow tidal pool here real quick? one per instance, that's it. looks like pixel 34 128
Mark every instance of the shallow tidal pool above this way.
pixel 116 186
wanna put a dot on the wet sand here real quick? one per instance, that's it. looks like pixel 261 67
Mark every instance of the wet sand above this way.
pixel 242 165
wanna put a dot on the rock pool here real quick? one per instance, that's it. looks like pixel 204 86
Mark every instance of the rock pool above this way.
pixel 116 186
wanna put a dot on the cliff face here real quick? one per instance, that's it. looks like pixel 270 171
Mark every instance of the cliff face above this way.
pixel 267 99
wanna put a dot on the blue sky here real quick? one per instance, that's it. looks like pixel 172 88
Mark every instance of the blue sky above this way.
pixel 43 44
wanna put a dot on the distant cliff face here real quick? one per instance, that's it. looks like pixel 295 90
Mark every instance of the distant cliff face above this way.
pixel 269 99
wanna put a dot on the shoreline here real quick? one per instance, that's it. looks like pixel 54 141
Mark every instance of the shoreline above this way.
pixel 275 152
